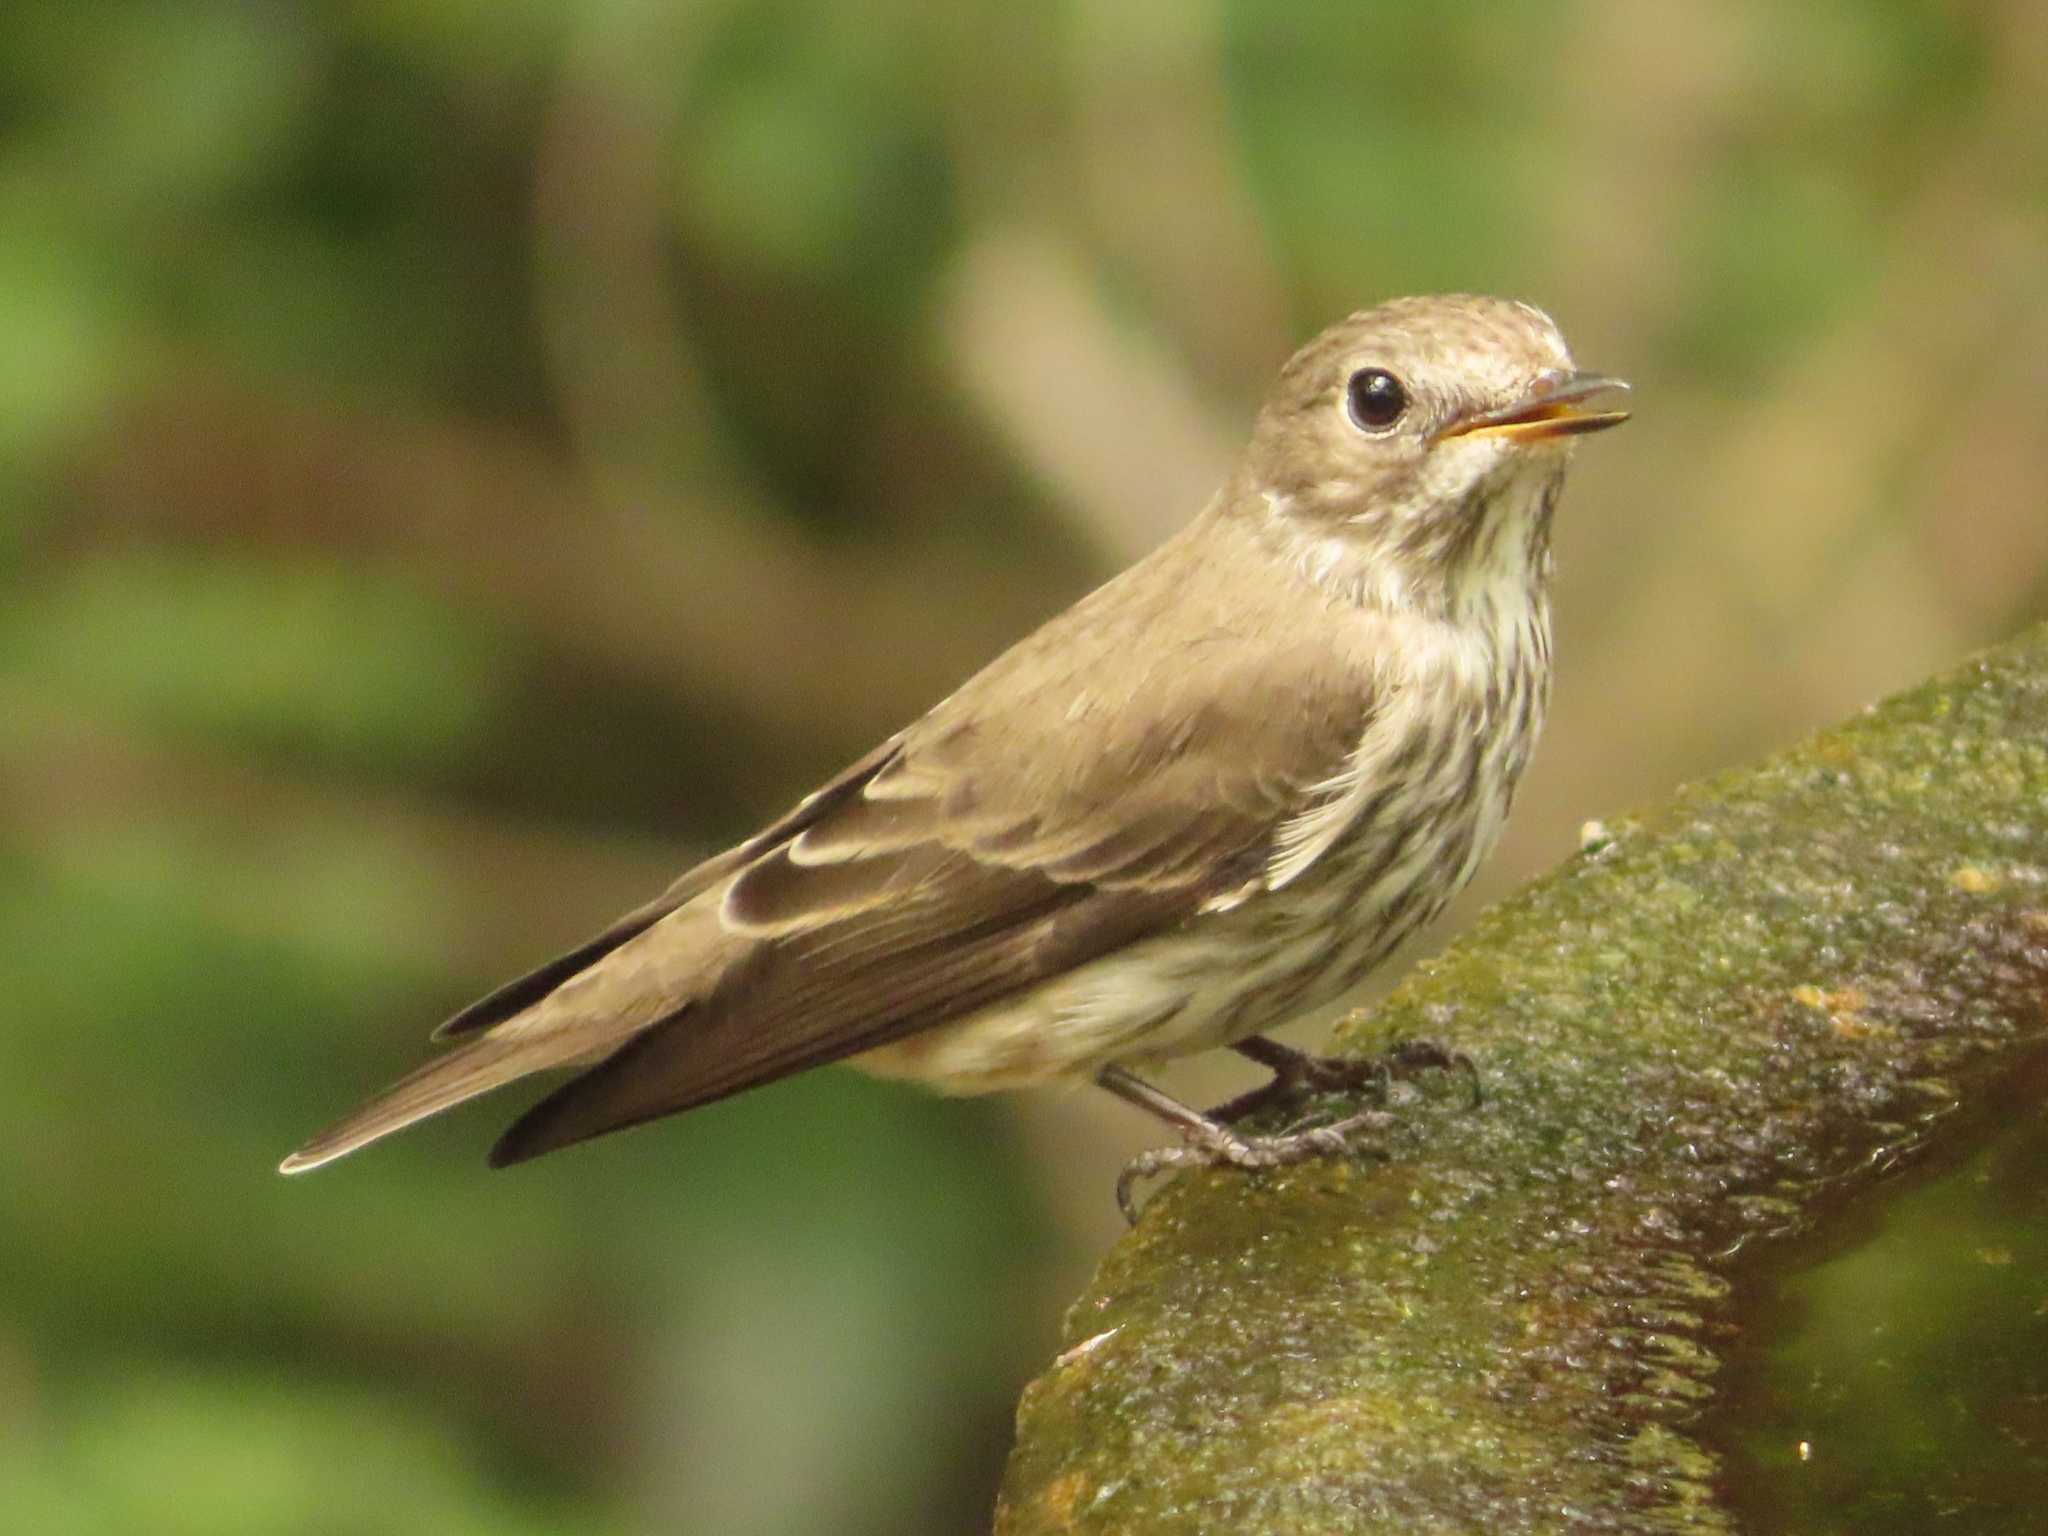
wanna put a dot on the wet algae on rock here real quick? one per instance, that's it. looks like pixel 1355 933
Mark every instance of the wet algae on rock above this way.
pixel 1738 1007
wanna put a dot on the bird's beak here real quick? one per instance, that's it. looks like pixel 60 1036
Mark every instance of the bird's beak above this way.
pixel 1551 408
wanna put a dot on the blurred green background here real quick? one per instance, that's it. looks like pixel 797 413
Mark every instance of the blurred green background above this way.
pixel 462 459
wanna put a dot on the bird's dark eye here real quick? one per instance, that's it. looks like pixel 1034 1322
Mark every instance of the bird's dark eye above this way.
pixel 1375 398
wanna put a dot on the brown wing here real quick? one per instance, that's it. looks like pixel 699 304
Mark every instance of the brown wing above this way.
pixel 803 1002
pixel 522 992
pixel 1101 782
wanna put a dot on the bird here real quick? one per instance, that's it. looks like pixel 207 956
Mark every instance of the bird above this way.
pixel 1216 792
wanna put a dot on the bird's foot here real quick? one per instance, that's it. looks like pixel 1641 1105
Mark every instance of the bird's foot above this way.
pixel 1299 1076
pixel 1209 1140
pixel 1209 1144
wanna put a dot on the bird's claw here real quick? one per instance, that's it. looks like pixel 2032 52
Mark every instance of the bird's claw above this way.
pixel 1209 1141
pixel 1215 1145
pixel 1299 1076
pixel 1410 1058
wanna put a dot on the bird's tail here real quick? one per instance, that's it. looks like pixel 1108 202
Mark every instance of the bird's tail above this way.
pixel 572 1012
pixel 488 1062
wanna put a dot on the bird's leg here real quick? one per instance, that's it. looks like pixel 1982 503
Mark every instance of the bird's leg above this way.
pixel 1298 1076
pixel 1208 1141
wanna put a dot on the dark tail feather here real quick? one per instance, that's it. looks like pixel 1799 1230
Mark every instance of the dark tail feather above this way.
pixel 635 1084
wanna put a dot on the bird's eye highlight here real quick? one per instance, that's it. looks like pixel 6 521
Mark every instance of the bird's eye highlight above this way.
pixel 1375 399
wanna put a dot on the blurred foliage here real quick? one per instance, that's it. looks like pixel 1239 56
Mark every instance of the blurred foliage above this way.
pixel 459 460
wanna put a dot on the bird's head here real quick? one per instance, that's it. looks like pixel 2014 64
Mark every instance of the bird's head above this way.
pixel 1410 455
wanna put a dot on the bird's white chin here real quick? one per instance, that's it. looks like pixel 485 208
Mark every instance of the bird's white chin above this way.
pixel 1473 538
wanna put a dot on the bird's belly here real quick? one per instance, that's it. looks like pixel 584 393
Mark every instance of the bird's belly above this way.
pixel 1215 979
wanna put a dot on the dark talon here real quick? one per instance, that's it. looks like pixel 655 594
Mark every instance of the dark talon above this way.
pixel 1299 1076
pixel 1408 1058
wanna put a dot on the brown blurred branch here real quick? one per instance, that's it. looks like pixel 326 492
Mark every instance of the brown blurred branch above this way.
pixel 1164 172
pixel 828 649
pixel 252 843
pixel 1082 400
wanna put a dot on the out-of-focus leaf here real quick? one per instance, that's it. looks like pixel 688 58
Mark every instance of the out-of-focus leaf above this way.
pixel 796 154
pixel 213 1452
pixel 312 655
pixel 1784 250
pixel 66 351
pixel 174 106
pixel 1374 138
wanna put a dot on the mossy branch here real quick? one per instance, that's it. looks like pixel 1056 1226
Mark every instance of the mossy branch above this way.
pixel 1774 984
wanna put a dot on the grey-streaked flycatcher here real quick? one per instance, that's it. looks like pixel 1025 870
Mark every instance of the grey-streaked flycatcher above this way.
pixel 1215 792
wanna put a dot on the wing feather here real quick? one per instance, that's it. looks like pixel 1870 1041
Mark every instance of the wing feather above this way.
pixel 522 992
pixel 822 998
